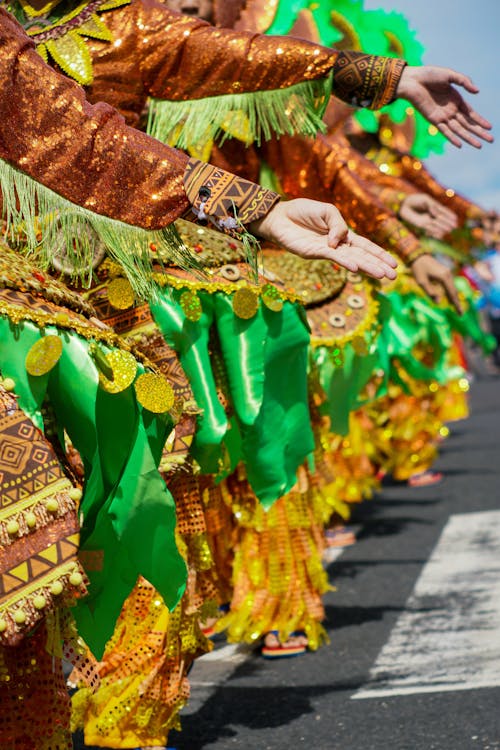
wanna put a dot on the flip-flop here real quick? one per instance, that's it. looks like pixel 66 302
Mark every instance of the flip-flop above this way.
pixel 425 479
pixel 341 537
pixel 281 650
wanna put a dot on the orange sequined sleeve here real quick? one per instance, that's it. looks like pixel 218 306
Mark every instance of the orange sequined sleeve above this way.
pixel 415 172
pixel 184 58
pixel 326 169
pixel 87 154
pixel 350 178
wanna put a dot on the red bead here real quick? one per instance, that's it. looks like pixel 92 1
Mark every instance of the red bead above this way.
pixel 38 276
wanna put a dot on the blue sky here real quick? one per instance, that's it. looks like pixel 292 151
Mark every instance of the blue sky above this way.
pixel 463 34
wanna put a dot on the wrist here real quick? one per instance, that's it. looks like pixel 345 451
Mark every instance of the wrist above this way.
pixel 405 83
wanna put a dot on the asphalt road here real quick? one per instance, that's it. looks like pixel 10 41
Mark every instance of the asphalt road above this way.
pixel 244 702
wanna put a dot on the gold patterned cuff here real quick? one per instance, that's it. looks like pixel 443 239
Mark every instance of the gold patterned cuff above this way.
pixel 366 80
pixel 396 238
pixel 221 198
pixel 393 199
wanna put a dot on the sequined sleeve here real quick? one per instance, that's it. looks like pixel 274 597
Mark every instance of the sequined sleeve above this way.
pixel 366 80
pixel 230 202
pixel 415 172
pixel 86 153
pixel 326 169
pixel 184 58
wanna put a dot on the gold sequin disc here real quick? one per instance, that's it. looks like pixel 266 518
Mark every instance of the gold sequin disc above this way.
pixel 245 303
pixel 43 355
pixel 120 294
pixel 191 306
pixel 124 369
pixel 154 393
pixel 360 346
pixel 271 298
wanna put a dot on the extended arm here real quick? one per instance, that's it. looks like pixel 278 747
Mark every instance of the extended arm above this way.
pixel 86 154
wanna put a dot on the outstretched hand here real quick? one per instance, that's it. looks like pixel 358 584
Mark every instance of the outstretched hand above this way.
pixel 432 91
pixel 312 229
pixel 426 213
pixel 436 280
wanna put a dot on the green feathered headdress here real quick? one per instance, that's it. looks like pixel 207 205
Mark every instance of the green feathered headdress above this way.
pixel 345 24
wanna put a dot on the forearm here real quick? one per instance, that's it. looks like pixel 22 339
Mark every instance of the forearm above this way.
pixel 83 152
pixel 415 172
pixel 184 58
pixel 86 154
pixel 369 217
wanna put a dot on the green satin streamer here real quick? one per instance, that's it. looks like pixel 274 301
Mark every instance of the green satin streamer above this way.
pixel 266 359
pixel 410 321
pixel 128 512
pixel 264 362
pixel 468 324
pixel 343 384
pixel 191 340
pixel 415 321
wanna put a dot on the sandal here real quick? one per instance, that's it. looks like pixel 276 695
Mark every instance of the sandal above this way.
pixel 282 650
pixel 342 536
pixel 425 479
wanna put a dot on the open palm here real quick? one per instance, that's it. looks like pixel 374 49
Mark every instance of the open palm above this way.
pixel 432 91
pixel 312 229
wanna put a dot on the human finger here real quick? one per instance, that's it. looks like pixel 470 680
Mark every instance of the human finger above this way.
pixel 446 216
pixel 462 80
pixel 464 133
pixel 448 133
pixel 371 247
pixel 336 226
pixel 474 116
pixel 473 127
pixel 366 261
pixel 451 292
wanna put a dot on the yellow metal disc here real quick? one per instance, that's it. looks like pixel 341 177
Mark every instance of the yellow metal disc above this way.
pixel 245 303
pixel 154 393
pixel 43 355
pixel 124 369
pixel 272 298
pixel 191 306
pixel 120 294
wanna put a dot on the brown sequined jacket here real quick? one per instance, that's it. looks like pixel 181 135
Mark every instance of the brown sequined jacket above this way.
pixel 77 143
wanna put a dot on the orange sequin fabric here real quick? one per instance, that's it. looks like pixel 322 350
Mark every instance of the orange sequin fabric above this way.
pixel 329 169
pixel 35 709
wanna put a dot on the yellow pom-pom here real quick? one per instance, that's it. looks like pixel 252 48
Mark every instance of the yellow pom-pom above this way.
pixel 75 494
pixel 39 602
pixel 12 528
pixel 76 579
pixel 19 617
pixel 8 384
pixel 3 625
pixel 56 588
pixel 52 505
pixel 30 519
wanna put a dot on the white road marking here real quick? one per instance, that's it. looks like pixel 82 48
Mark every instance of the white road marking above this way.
pixel 448 637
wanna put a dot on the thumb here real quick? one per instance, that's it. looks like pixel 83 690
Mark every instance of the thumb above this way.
pixel 462 80
pixel 337 228
pixel 431 208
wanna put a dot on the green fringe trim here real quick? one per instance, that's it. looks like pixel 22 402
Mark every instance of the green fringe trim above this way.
pixel 50 225
pixel 296 109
